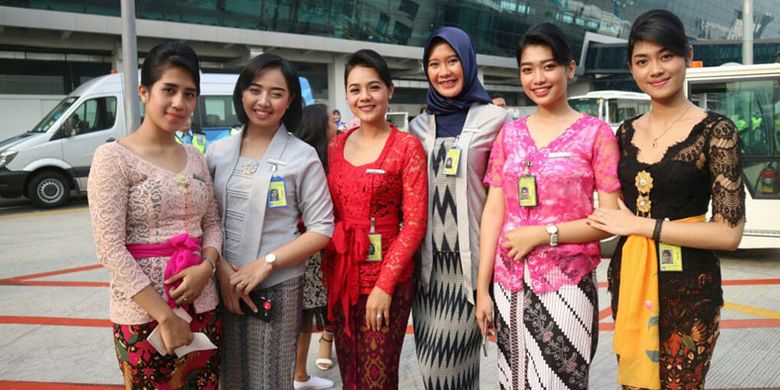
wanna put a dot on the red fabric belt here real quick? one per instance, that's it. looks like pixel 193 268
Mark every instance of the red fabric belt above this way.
pixel 346 250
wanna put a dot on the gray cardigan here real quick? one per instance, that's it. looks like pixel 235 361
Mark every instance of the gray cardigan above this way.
pixel 480 129
pixel 306 189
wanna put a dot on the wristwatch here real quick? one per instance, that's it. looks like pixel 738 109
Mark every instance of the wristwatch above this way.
pixel 270 259
pixel 552 230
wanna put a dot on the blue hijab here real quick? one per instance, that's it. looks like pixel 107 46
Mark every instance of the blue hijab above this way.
pixel 451 112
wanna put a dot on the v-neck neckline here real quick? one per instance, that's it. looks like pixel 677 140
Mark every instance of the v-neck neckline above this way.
pixel 153 165
pixel 379 159
pixel 673 147
pixel 558 138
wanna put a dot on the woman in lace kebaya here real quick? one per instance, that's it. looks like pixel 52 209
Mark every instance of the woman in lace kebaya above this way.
pixel 265 179
pixel 535 240
pixel 674 160
pixel 457 131
pixel 378 181
pixel 157 232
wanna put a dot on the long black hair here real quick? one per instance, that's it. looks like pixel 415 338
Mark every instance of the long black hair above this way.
pixel 292 117
pixel 314 130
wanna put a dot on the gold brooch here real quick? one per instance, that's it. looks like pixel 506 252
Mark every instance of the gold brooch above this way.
pixel 643 203
pixel 643 182
pixel 182 180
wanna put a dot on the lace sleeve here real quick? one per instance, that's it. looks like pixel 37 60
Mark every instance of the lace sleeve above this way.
pixel 414 208
pixel 725 166
pixel 107 191
pixel 210 222
pixel 495 168
pixel 605 159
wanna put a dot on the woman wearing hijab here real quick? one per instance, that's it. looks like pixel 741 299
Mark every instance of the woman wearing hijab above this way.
pixel 460 124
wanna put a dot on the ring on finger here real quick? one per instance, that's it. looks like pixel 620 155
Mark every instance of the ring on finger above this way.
pixel 184 298
pixel 379 316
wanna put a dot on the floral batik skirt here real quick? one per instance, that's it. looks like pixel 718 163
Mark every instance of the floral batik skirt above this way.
pixel 144 368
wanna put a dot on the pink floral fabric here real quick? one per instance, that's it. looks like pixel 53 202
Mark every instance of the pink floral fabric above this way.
pixel 568 170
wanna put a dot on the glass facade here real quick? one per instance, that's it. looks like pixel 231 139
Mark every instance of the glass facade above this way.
pixel 495 25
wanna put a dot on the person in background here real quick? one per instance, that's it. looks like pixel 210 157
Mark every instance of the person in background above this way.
pixel 675 161
pixel 536 246
pixel 158 233
pixel 261 281
pixel 458 121
pixel 336 118
pixel 316 129
pixel 378 182
pixel 498 100
pixel 187 136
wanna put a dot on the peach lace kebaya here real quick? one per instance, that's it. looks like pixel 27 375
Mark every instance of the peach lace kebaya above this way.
pixel 135 202
pixel 582 159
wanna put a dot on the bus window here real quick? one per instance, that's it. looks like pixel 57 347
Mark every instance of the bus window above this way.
pixel 586 106
pixel 622 109
pixel 752 105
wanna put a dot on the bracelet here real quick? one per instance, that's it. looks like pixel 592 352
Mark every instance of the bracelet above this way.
pixel 213 265
pixel 657 231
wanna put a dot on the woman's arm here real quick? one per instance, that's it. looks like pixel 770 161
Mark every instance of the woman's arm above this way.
pixel 489 231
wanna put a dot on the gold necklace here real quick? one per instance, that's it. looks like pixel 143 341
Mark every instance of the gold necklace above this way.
pixel 669 127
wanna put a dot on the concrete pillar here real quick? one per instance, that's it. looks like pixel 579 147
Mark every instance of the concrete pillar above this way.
pixel 481 75
pixel 116 57
pixel 337 94
pixel 747 32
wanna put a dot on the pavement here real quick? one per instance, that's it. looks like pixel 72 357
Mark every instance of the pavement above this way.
pixel 55 333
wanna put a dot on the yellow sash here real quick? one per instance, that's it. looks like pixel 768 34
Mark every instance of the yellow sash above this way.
pixel 636 339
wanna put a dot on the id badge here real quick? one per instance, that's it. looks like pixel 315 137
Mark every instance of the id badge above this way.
pixel 526 191
pixel 374 247
pixel 452 161
pixel 277 197
pixel 671 257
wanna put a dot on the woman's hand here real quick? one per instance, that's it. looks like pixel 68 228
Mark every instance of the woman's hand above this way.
pixel 250 276
pixel 484 312
pixel 378 309
pixel 193 281
pixel 230 298
pixel 521 240
pixel 175 333
pixel 620 222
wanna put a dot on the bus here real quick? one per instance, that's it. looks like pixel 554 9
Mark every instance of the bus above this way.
pixel 612 107
pixel 749 95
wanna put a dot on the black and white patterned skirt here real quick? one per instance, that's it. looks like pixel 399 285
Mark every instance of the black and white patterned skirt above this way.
pixel 548 340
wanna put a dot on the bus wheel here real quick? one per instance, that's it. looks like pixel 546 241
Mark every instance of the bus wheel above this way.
pixel 49 189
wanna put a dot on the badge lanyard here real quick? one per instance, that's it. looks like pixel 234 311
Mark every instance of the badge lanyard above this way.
pixel 526 187
pixel 277 194
pixel 374 238
pixel 452 161
pixel 670 256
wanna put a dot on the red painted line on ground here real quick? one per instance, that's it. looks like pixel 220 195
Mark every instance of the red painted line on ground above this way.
pixel 750 323
pixel 57 321
pixel 605 313
pixel 18 385
pixel 750 282
pixel 52 273
pixel 602 284
pixel 53 283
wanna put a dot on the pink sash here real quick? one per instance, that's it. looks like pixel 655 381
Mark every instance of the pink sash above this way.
pixel 184 252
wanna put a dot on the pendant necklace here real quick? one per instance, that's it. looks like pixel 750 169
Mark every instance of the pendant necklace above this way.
pixel 669 127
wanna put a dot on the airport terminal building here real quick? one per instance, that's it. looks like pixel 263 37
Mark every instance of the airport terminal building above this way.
pixel 49 47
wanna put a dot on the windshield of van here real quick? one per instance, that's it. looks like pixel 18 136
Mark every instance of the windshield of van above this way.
pixel 45 124
pixel 588 106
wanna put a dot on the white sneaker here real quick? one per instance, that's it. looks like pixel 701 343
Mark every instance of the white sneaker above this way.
pixel 314 383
